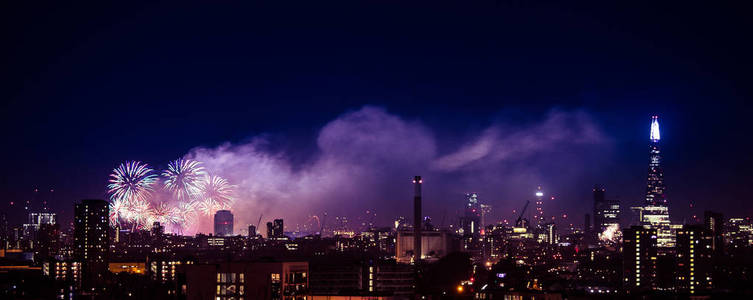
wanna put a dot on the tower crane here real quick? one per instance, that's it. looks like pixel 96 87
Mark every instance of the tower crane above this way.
pixel 523 211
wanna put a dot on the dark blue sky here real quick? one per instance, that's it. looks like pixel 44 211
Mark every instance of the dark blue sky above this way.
pixel 87 87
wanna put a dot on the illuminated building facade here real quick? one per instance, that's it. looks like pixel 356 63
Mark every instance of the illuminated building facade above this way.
pixel 434 245
pixel 62 270
pixel 342 276
pixel 738 233
pixel 655 211
pixel 165 269
pixel 639 258
pixel 223 223
pixel 91 240
pixel 132 267
pixel 248 280
pixel 694 270
pixel 552 237
pixel 42 218
pixel 32 227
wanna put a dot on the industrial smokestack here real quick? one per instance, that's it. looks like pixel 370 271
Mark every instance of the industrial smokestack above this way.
pixel 417 218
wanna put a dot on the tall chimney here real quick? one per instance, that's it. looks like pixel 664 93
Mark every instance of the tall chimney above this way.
pixel 417 218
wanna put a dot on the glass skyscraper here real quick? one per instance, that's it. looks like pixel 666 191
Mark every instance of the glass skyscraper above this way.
pixel 655 211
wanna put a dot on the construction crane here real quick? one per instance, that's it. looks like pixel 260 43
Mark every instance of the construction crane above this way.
pixel 523 211
pixel 259 222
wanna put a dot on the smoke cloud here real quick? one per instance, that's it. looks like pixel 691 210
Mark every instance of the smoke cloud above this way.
pixel 365 159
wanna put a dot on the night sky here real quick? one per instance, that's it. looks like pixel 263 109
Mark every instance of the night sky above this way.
pixel 313 107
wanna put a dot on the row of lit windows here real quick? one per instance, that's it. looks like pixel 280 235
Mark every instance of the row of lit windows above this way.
pixel 230 290
pixel 231 277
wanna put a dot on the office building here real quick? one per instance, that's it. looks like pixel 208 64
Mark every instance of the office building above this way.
pixel 223 223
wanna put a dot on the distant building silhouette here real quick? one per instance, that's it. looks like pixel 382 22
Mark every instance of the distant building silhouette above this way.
pixel 223 223
pixel 275 229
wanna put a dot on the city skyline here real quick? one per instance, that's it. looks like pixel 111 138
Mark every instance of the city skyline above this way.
pixel 559 213
pixel 376 150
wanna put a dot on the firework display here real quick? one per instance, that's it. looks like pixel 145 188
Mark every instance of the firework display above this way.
pixel 131 181
pixel 176 198
pixel 183 178
pixel 216 194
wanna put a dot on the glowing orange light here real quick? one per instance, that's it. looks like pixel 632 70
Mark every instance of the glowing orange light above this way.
pixel 460 288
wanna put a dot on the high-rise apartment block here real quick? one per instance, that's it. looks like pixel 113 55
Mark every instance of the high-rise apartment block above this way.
pixel 639 258
pixel 694 251
pixel 91 240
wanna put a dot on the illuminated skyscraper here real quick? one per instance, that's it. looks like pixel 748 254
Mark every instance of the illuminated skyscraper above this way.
pixel 655 211
pixel 539 214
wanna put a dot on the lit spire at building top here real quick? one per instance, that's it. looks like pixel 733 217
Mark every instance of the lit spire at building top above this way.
pixel 655 134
